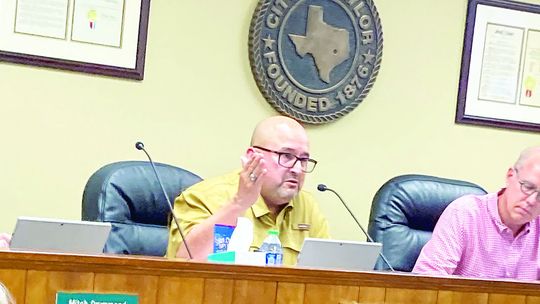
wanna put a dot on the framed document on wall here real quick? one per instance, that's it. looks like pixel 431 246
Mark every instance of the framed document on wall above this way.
pixel 500 73
pixel 106 37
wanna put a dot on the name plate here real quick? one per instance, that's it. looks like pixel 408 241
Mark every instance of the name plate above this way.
pixel 95 298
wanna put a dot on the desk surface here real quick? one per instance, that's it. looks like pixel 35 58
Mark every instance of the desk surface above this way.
pixel 36 277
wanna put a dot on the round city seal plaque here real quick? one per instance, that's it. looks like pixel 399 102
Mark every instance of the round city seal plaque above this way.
pixel 315 60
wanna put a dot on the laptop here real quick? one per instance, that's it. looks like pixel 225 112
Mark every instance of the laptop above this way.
pixel 337 254
pixel 39 234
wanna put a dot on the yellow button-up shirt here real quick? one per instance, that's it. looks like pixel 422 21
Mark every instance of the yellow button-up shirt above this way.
pixel 301 217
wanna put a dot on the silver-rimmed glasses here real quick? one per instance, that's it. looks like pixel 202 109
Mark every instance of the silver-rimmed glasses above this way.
pixel 528 188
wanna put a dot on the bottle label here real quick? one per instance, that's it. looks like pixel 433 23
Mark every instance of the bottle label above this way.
pixel 274 259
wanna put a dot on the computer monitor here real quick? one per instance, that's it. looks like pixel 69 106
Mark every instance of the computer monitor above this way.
pixel 39 234
pixel 338 254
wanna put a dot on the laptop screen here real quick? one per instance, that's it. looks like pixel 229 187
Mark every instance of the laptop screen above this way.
pixel 338 254
pixel 39 234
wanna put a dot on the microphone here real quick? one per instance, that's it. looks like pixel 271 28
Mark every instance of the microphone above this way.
pixel 140 146
pixel 322 188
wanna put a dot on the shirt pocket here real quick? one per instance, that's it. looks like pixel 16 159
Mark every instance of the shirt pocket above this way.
pixel 294 238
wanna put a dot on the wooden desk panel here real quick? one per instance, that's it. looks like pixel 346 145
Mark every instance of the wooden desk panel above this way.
pixel 146 286
pixel 372 295
pixel 36 277
pixel 15 281
pixel 454 297
pixel 41 286
pixel 533 300
pixel 319 293
pixel 180 290
pixel 218 291
pixel 290 293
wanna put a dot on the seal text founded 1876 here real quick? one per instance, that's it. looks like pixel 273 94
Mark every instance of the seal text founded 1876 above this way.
pixel 315 60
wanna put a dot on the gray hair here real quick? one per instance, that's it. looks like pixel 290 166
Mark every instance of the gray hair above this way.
pixel 525 155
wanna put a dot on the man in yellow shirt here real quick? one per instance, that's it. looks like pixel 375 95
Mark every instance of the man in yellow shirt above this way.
pixel 267 190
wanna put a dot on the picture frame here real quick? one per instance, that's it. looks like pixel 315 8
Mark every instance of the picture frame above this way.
pixel 499 83
pixel 103 37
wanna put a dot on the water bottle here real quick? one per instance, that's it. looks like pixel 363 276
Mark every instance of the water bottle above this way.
pixel 272 246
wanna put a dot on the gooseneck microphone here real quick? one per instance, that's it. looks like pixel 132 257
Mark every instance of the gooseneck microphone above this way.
pixel 322 188
pixel 140 146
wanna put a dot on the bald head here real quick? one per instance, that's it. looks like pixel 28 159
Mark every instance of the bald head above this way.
pixel 272 138
pixel 531 154
pixel 277 129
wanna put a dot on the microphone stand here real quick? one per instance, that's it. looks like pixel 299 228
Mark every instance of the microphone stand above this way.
pixel 140 146
pixel 323 188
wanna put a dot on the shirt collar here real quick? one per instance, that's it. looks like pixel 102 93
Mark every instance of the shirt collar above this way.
pixel 493 209
pixel 260 209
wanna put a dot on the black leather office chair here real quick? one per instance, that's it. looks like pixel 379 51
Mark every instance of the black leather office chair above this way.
pixel 128 195
pixel 404 212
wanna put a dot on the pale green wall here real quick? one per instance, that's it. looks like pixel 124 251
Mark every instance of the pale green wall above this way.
pixel 198 102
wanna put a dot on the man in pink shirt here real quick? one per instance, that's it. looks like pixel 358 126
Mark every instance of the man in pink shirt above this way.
pixel 496 235
pixel 5 239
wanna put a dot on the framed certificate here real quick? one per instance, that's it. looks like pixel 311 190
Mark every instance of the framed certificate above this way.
pixel 106 37
pixel 500 73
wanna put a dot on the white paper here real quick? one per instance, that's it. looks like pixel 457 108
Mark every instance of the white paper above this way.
pixel 98 21
pixel 500 65
pixel 42 17
pixel 530 91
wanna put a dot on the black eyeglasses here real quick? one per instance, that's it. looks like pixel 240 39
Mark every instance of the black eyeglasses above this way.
pixel 528 188
pixel 288 160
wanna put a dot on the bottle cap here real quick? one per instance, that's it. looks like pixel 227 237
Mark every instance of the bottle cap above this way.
pixel 273 232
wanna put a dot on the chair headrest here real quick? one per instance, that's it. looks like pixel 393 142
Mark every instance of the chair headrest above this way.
pixel 405 210
pixel 128 191
pixel 418 200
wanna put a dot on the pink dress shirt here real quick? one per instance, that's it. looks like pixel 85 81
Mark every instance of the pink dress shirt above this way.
pixel 471 240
